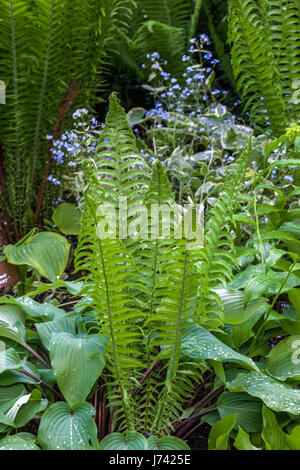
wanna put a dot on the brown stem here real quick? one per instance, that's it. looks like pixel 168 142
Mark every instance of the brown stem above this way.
pixel 111 415
pixel 211 408
pixel 181 426
pixel 103 416
pixel 199 388
pixel 208 397
pixel 144 378
pixel 34 353
pixel 67 102
pixel 7 214
pixel 33 377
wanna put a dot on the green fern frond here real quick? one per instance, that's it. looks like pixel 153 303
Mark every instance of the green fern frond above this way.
pixel 147 292
pixel 174 13
pixel 46 46
pixel 265 56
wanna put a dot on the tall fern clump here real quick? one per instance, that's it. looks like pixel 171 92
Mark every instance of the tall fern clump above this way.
pixel 147 292
pixel 265 57
pixel 52 56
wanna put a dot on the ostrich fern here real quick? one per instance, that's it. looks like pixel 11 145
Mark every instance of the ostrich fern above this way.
pixel 52 55
pixel 265 57
pixel 147 293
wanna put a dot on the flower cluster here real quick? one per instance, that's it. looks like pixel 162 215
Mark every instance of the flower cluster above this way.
pixel 186 111
pixel 74 143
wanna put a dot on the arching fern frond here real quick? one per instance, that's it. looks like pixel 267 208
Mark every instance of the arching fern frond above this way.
pixel 265 53
pixel 47 48
pixel 147 292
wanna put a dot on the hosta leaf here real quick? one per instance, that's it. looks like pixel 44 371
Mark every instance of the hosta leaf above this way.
pixel 242 441
pixel 258 285
pixel 46 252
pixel 17 442
pixel 248 410
pixel 8 396
pixel 34 309
pixel 294 297
pixel 77 363
pixel 65 428
pixel 61 325
pixel 276 395
pixel 167 443
pixel 272 434
pixel 10 376
pixel 26 408
pixel 5 423
pixel 67 218
pixel 284 359
pixel 9 359
pixel 198 343
pixel 130 440
pixel 11 314
pixel 15 332
pixel 234 310
pixel 241 333
pixel 135 115
pixel 219 433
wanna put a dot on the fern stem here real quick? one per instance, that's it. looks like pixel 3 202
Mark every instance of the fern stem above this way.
pixel 173 365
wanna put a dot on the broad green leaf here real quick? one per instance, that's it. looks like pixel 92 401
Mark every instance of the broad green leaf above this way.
pixel 73 287
pixel 26 407
pixel 8 396
pixel 241 279
pixel 241 333
pixel 61 325
pixel 5 423
pixel 17 442
pixel 166 443
pixel 65 428
pixel 15 332
pixel 198 343
pixel 9 359
pixel 219 434
pixel 248 410
pixel 136 115
pixel 130 440
pixel 294 297
pixel 258 285
pixel 242 441
pixel 234 310
pixel 275 395
pixel 46 252
pixel 272 434
pixel 10 376
pixel 34 309
pixel 293 439
pixel 11 314
pixel 291 227
pixel 77 363
pixel 67 218
pixel 284 359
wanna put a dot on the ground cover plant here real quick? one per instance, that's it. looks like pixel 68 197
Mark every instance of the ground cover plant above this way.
pixel 150 242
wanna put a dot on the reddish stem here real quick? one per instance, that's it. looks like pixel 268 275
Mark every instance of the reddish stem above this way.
pixel 144 378
pixel 67 102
